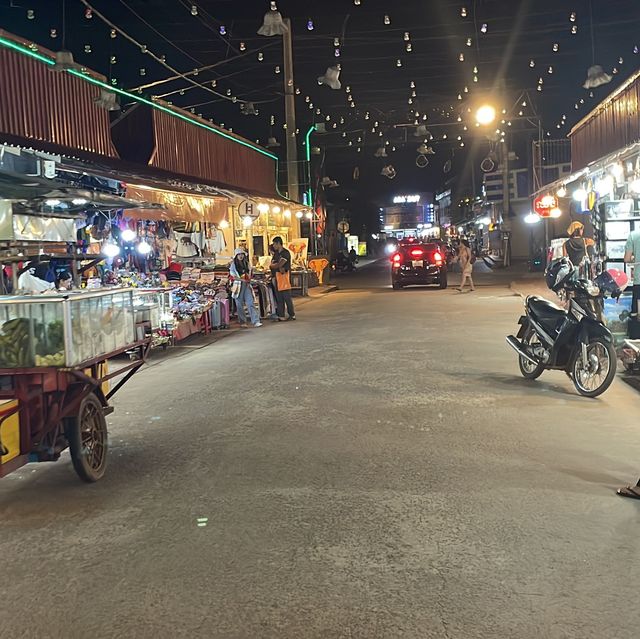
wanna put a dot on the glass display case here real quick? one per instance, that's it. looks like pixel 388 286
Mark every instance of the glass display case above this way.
pixel 66 330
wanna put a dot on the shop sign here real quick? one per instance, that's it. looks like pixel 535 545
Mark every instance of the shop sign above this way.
pixel 248 208
pixel 406 199
pixel 343 226
pixel 544 204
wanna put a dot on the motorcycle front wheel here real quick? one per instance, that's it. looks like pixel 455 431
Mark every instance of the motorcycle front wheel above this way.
pixel 593 376
pixel 529 370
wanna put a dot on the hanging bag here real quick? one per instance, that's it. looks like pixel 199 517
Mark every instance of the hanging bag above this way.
pixel 283 281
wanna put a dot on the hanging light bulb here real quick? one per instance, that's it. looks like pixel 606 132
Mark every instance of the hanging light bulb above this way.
pixel 336 42
pixel 556 47
pixel 469 42
pixel 532 63
pixel 356 2
pixel 406 36
pixel 387 19
pixel 461 57
pixel 398 62
pixel 223 30
pixel 475 69
pixel 53 33
pixel 274 5
pixel 484 28
pixel 113 59
pixel 88 14
pixel 409 47
pixel 550 70
pixel 620 60
pixel 260 56
pixel 310 25
pixel 463 12
pixel 144 248
pixel 194 10
pixel 143 71
pixel 574 29
pixel 466 89
pixel 110 249
pixel 243 46
pixel 475 78
pixel 277 69
pixel 128 235
pixel 87 48
pixel 572 16
pixel 337 53
pixel 636 50
pixel 113 33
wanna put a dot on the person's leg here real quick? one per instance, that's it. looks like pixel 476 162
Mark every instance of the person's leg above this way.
pixel 279 303
pixel 463 279
pixel 251 304
pixel 473 288
pixel 242 318
pixel 288 298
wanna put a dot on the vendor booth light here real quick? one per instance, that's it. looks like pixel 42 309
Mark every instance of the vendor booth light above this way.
pixel 299 214
pixel 579 195
pixel 79 201
pixel 110 249
pixel 144 248
pixel 561 192
pixel 555 213
pixel 287 213
pixel 276 209
pixel 247 221
pixel 263 208
pixel 532 218
pixel 128 235
pixel 52 202
pixel 460 229
pixel 224 224
pixel 604 186
pixel 308 215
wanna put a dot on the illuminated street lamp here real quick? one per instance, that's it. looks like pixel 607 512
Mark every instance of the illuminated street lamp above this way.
pixel 485 115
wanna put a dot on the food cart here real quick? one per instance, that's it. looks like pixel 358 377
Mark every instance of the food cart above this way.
pixel 55 353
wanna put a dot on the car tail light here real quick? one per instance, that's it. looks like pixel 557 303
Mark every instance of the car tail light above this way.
pixel 437 258
pixel 396 260
pixel 417 252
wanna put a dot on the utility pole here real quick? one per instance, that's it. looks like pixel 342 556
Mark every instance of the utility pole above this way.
pixel 293 179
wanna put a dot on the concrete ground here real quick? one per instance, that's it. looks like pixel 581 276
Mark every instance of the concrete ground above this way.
pixel 376 469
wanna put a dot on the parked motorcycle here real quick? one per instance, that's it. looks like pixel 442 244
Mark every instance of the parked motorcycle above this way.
pixel 574 340
pixel 343 264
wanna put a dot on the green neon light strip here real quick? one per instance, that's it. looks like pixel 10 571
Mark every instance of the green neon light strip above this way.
pixel 310 201
pixel 138 98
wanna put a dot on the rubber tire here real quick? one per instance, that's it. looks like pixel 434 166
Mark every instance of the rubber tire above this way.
pixel 443 283
pixel 74 436
pixel 538 370
pixel 396 286
pixel 610 375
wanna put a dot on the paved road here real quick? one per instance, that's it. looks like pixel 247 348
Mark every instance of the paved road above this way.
pixel 376 469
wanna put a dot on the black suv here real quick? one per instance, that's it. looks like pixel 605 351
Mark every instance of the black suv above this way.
pixel 418 263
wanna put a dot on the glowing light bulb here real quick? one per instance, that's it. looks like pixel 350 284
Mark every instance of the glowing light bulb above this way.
pixel 484 28
pixel 387 19
pixel 463 12
pixel 111 249
pixel 128 235
pixel 144 248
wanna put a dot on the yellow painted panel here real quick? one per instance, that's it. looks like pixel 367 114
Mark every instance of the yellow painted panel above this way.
pixel 10 430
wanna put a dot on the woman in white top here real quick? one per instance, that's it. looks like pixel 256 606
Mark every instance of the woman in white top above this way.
pixel 242 291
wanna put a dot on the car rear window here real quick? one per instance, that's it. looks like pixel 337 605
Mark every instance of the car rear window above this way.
pixel 427 248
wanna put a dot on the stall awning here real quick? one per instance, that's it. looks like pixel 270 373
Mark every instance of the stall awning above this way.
pixel 176 206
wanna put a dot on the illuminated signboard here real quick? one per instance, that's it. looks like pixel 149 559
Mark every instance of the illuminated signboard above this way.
pixel 406 199
pixel 545 205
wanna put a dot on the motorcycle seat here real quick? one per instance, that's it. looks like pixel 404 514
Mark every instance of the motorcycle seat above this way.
pixel 544 311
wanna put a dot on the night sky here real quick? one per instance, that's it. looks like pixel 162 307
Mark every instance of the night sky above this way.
pixel 505 38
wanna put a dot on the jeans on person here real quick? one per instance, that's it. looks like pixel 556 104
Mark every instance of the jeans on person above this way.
pixel 284 298
pixel 246 297
pixel 635 300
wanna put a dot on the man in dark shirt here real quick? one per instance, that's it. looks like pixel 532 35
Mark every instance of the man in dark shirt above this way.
pixel 281 269
pixel 577 248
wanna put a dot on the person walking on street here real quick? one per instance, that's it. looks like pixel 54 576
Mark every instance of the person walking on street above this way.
pixel 466 260
pixel 281 269
pixel 242 293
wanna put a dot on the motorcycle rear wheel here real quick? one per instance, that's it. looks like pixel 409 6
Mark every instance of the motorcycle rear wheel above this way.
pixel 527 369
pixel 596 376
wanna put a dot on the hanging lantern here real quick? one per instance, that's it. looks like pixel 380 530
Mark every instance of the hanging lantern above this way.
pixel 596 77
pixel 273 24
pixel 331 78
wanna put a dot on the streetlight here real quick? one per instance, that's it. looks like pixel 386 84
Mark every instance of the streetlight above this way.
pixel 275 24
pixel 485 115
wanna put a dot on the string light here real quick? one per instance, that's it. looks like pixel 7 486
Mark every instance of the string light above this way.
pixel 194 10
pixel 387 19
pixel 310 25
pixel 484 28
pixel 574 29
pixel 463 12
pixel 556 47
pixel 406 36
pixel 572 16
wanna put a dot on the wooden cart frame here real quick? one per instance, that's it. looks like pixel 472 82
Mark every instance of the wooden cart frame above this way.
pixel 63 408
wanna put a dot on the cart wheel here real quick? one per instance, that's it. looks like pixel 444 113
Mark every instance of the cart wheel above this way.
pixel 87 437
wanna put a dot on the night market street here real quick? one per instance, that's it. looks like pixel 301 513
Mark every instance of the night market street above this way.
pixel 378 468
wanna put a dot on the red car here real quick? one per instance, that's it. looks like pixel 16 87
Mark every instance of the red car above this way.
pixel 420 263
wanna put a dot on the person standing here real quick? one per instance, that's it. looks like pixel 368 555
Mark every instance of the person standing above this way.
pixel 466 260
pixel 281 269
pixel 632 256
pixel 578 248
pixel 240 270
